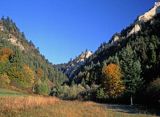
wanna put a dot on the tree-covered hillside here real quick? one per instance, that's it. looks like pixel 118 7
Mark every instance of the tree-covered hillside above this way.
pixel 21 64
pixel 72 65
pixel 126 69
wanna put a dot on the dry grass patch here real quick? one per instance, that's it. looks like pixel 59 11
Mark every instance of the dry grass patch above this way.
pixel 38 106
pixel 14 103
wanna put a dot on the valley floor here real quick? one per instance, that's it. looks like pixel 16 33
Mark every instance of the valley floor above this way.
pixel 38 106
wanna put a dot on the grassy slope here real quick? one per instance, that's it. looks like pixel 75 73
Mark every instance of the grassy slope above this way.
pixel 7 92
pixel 15 104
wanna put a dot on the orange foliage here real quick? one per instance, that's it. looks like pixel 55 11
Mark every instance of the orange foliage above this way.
pixel 113 82
pixel 5 53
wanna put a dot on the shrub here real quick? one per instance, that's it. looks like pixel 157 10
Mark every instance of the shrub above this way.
pixel 75 90
pixel 100 94
pixel 42 88
pixel 66 92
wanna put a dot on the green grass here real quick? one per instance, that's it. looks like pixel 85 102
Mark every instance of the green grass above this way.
pixel 7 92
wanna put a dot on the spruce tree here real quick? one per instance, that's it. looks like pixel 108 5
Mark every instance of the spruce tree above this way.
pixel 132 71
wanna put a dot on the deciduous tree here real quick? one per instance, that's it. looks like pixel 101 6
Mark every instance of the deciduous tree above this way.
pixel 113 83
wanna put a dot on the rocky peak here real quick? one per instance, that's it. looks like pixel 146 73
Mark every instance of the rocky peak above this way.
pixel 15 42
pixel 145 17
pixel 73 64
pixel 115 38
pixel 151 13
pixel 141 19
pixel 84 55
pixel 11 37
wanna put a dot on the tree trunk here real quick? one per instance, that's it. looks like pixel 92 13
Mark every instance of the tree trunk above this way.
pixel 131 100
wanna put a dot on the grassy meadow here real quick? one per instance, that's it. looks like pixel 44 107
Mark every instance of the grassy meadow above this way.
pixel 15 104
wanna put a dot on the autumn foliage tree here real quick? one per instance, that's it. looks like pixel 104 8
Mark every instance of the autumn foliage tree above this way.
pixel 5 53
pixel 113 83
pixel 41 83
pixel 29 73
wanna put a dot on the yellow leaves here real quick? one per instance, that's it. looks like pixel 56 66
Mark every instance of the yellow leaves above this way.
pixel 22 77
pixel 29 72
pixel 39 73
pixel 112 80
pixel 5 53
pixel 112 70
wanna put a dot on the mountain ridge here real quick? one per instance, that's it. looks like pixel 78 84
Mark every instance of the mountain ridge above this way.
pixel 103 52
pixel 130 63
pixel 136 26
pixel 73 64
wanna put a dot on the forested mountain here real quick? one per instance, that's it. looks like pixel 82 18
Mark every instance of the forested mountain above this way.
pixel 127 37
pixel 72 65
pixel 127 67
pixel 21 64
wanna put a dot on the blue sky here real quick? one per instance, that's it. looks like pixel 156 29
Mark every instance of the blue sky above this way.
pixel 62 29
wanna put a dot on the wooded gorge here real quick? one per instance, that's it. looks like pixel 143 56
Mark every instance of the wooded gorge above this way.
pixel 122 71
pixel 116 74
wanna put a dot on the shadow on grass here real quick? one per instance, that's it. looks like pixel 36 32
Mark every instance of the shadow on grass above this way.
pixel 133 109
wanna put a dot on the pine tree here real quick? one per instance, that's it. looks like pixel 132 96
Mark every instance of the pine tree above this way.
pixel 132 71
pixel 152 53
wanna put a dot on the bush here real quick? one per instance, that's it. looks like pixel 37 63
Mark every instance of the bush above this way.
pixel 100 94
pixel 42 88
pixel 60 91
pixel 75 90
pixel 66 92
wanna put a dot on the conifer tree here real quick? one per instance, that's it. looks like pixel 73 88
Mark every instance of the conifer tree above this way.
pixel 132 71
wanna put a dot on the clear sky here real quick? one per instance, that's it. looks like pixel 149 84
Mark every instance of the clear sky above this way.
pixel 63 29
